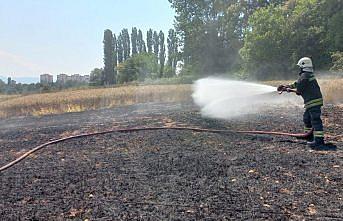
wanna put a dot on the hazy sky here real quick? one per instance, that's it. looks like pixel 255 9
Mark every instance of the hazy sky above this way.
pixel 65 36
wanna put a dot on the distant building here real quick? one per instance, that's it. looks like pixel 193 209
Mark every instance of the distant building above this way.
pixel 86 78
pixel 11 82
pixel 46 79
pixel 76 78
pixel 62 78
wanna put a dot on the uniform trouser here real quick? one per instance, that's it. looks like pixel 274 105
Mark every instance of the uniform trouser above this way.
pixel 312 120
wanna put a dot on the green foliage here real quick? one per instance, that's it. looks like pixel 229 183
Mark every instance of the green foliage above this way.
pixel 172 50
pixel 187 79
pixel 162 54
pixel 265 49
pixel 209 33
pixel 308 30
pixel 120 48
pixel 134 41
pixel 108 73
pixel 126 43
pixel 138 67
pixel 2 87
pixel 149 40
pixel 280 35
pixel 189 70
pixel 36 88
pixel 268 35
pixel 156 43
pixel 333 10
pixel 139 64
pixel 337 61
pixel 169 72
pixel 115 52
pixel 141 43
pixel 95 76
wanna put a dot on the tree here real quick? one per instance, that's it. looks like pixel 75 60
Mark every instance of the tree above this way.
pixel 335 31
pixel 144 48
pixel 134 41
pixel 138 67
pixel 120 48
pixel 308 32
pixel 162 55
pixel 331 12
pixel 126 43
pixel 203 30
pixel 140 42
pixel 115 52
pixel 2 87
pixel 108 73
pixel 149 40
pixel 280 35
pixel 172 49
pixel 156 43
pixel 337 61
pixel 265 50
pixel 212 31
pixel 95 76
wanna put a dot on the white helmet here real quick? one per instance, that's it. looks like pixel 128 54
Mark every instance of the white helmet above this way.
pixel 305 64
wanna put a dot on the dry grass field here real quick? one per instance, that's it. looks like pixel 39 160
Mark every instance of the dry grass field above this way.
pixel 90 99
pixel 7 97
pixel 81 100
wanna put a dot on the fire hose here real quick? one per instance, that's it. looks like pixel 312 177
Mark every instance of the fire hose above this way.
pixel 28 153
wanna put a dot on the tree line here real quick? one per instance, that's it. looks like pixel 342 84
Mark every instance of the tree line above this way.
pixel 130 57
pixel 261 39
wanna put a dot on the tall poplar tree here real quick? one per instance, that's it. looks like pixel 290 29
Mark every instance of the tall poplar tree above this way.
pixel 108 73
pixel 162 54
pixel 115 57
pixel 120 49
pixel 134 41
pixel 149 40
pixel 172 49
pixel 126 43
pixel 140 42
pixel 115 52
pixel 156 43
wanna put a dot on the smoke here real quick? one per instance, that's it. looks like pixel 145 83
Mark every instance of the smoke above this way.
pixel 223 98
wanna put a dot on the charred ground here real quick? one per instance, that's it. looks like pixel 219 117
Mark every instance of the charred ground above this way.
pixel 169 174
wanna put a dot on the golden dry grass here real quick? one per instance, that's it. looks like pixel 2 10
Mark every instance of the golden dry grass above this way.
pixel 7 97
pixel 88 99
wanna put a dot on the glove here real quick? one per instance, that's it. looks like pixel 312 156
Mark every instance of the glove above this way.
pixel 281 87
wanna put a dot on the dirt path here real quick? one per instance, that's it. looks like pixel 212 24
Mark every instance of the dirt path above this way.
pixel 169 174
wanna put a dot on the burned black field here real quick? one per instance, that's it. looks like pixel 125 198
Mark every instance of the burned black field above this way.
pixel 169 174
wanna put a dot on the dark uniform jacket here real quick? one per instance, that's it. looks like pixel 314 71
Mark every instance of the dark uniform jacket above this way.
pixel 307 86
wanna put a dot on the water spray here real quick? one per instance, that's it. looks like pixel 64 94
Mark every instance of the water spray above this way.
pixel 227 99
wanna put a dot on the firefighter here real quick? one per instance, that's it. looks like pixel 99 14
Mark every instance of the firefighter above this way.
pixel 307 87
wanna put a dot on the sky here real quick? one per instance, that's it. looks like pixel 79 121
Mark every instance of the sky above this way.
pixel 65 36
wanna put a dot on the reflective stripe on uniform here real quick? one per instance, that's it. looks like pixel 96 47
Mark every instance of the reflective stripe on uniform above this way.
pixel 307 129
pixel 293 86
pixel 315 102
pixel 318 133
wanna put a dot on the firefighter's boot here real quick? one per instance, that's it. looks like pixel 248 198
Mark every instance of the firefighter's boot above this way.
pixel 319 144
